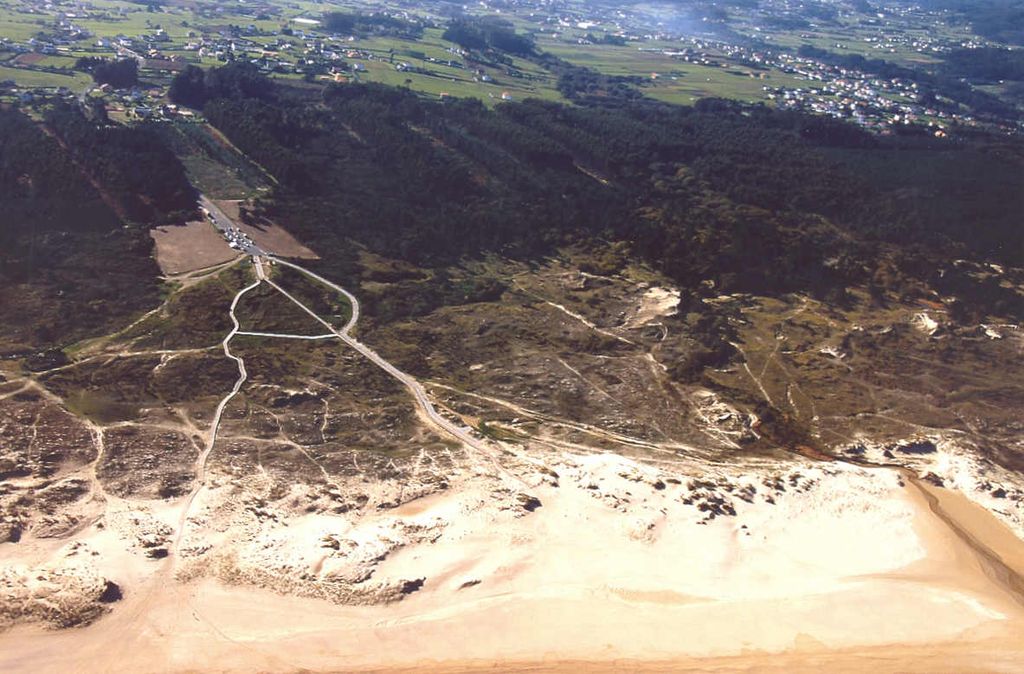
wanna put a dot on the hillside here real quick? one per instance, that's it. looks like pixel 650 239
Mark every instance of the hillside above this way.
pixel 536 386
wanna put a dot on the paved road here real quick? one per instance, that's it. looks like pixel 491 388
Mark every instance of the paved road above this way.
pixel 349 296
pixel 461 433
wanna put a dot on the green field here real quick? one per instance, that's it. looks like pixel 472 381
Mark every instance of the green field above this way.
pixel 663 77
pixel 214 168
pixel 855 44
pixel 673 80
pixel 38 78
pixel 56 62
pixel 455 82
pixel 676 81
pixel 19 27
pixel 460 82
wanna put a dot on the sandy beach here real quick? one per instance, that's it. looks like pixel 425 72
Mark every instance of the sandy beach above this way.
pixel 851 572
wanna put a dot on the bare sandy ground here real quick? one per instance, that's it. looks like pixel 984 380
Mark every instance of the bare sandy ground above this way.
pixel 851 569
pixel 194 245
pixel 655 303
pixel 197 245
pixel 271 237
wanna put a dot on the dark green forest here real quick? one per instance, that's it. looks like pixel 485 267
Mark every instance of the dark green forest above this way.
pixel 120 74
pixel 354 23
pixel 488 33
pixel 587 86
pixel 132 164
pixel 720 195
pixel 68 264
pixel 748 197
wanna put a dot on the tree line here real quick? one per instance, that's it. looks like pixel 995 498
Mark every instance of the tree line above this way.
pixel 488 33
pixel 118 73
pixel 364 25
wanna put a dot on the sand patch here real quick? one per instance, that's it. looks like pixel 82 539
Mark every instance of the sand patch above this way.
pixel 654 304
pixel 194 245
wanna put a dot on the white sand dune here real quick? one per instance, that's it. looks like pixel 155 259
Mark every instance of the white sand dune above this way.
pixel 848 566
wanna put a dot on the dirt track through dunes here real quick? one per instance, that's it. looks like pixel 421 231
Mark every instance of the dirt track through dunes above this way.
pixel 572 314
pixel 619 438
pixel 280 335
pixel 200 469
pixel 843 568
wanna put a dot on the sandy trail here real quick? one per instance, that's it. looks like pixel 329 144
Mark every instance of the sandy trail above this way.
pixel 619 438
pixel 200 466
pixel 281 335
pixel 615 571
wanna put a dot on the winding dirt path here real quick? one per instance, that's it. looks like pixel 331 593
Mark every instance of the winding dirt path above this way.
pixel 200 469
